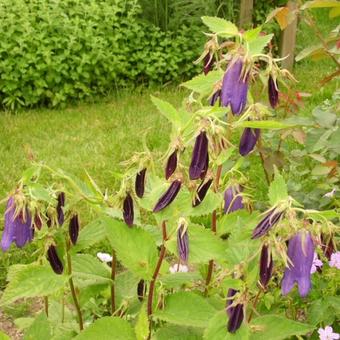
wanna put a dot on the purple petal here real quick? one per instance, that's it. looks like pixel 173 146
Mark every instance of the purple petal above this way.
pixel 8 233
pixel 231 202
pixel 248 140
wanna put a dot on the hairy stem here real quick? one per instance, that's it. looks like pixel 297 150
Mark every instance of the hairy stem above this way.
pixel 156 272
pixel 73 291
pixel 113 276
pixel 256 300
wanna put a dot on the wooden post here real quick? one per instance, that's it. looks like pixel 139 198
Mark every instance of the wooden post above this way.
pixel 246 12
pixel 288 40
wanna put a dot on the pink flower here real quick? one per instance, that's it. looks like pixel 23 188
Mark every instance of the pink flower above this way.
pixel 316 263
pixel 335 260
pixel 327 334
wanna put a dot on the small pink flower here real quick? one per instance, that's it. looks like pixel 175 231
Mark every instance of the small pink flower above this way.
pixel 335 260
pixel 327 334
pixel 316 263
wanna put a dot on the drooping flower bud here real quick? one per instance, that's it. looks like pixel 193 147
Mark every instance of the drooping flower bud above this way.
pixel 60 206
pixel 54 260
pixel 208 63
pixel 171 165
pixel 201 192
pixel 272 217
pixel 199 156
pixel 235 87
pixel 235 313
pixel 183 243
pixel 273 93
pixel 266 266
pixel 205 168
pixel 301 254
pixel 248 140
pixel 140 183
pixel 141 290
pixel 74 229
pixel 168 196
pixel 215 97
pixel 18 226
pixel 128 212
pixel 233 199
pixel 37 221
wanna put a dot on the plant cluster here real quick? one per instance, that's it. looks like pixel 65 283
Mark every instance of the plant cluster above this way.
pixel 191 253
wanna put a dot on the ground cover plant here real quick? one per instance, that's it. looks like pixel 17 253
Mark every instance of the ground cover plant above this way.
pixel 169 275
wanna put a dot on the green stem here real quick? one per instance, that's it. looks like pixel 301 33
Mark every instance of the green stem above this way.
pixel 113 276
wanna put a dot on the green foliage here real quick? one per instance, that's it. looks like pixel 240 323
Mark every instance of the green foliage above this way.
pixel 40 329
pixel 55 52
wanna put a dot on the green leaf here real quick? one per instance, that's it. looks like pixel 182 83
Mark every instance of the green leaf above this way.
pixel 177 280
pixel 92 233
pixel 186 309
pixel 257 45
pixel 142 325
pixel 88 270
pixel 203 244
pixel 265 124
pixel 30 281
pixel 276 327
pixel 217 329
pixel 135 248
pixel 322 215
pixel 4 336
pixel 320 311
pixel 177 333
pixel 309 51
pixel 320 4
pixel 220 26
pixel 108 328
pixel 204 84
pixel 278 189
pixel 40 328
pixel 38 192
pixel 252 34
pixel 167 110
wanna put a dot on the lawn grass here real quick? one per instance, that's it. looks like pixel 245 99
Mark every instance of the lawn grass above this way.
pixel 97 137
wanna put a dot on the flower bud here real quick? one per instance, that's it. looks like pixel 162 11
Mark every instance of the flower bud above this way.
pixel 273 93
pixel 53 259
pixel 215 97
pixel 248 140
pixel 183 243
pixel 208 63
pixel 140 183
pixel 233 199
pixel 268 222
pixel 128 212
pixel 60 206
pixel 199 156
pixel 141 290
pixel 168 196
pixel 201 192
pixel 266 266
pixel 171 165
pixel 235 313
pixel 74 229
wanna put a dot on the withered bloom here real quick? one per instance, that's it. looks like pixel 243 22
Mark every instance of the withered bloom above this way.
pixel 301 255
pixel 54 260
pixel 168 196
pixel 266 266
pixel 128 212
pixel 171 165
pixel 18 226
pixel 273 92
pixel 233 199
pixel 199 156
pixel 60 206
pixel 235 313
pixel 141 290
pixel 140 183
pixel 248 140
pixel 208 63
pixel 235 88
pixel 74 229
pixel 267 223
pixel 183 244
pixel 327 246
pixel 201 192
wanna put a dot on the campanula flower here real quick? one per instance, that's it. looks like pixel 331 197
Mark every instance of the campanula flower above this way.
pixel 235 313
pixel 273 92
pixel 233 199
pixel 183 243
pixel 248 140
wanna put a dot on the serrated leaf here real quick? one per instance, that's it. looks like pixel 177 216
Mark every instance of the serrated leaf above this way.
pixel 203 245
pixel 135 248
pixel 38 192
pixel 30 281
pixel 176 280
pixel 40 328
pixel 179 333
pixel 252 34
pixel 142 325
pixel 186 309
pixel 257 45
pixel 167 110
pixel 276 327
pixel 204 84
pixel 108 328
pixel 220 26
pixel 277 190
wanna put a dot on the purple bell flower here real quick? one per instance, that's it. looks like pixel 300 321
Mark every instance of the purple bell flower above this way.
pixel 18 226
pixel 60 206
pixel 208 63
pixel 183 244
pixel 235 88
pixel 267 222
pixel 301 255
pixel 273 92
pixel 235 313
pixel 248 140
pixel 266 266
pixel 233 199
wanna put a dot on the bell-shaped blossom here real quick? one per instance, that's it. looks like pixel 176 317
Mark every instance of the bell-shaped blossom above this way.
pixel 301 254
pixel 266 266
pixel 248 140
pixel 268 222
pixel 235 313
pixel 183 243
pixel 18 226
pixel 235 87
pixel 233 199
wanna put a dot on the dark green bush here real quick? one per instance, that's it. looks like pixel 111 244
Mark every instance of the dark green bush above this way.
pixel 53 51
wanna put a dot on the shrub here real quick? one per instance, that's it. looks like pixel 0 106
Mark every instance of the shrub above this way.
pixel 56 51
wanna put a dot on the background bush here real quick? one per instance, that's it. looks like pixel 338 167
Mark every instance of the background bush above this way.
pixel 55 51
